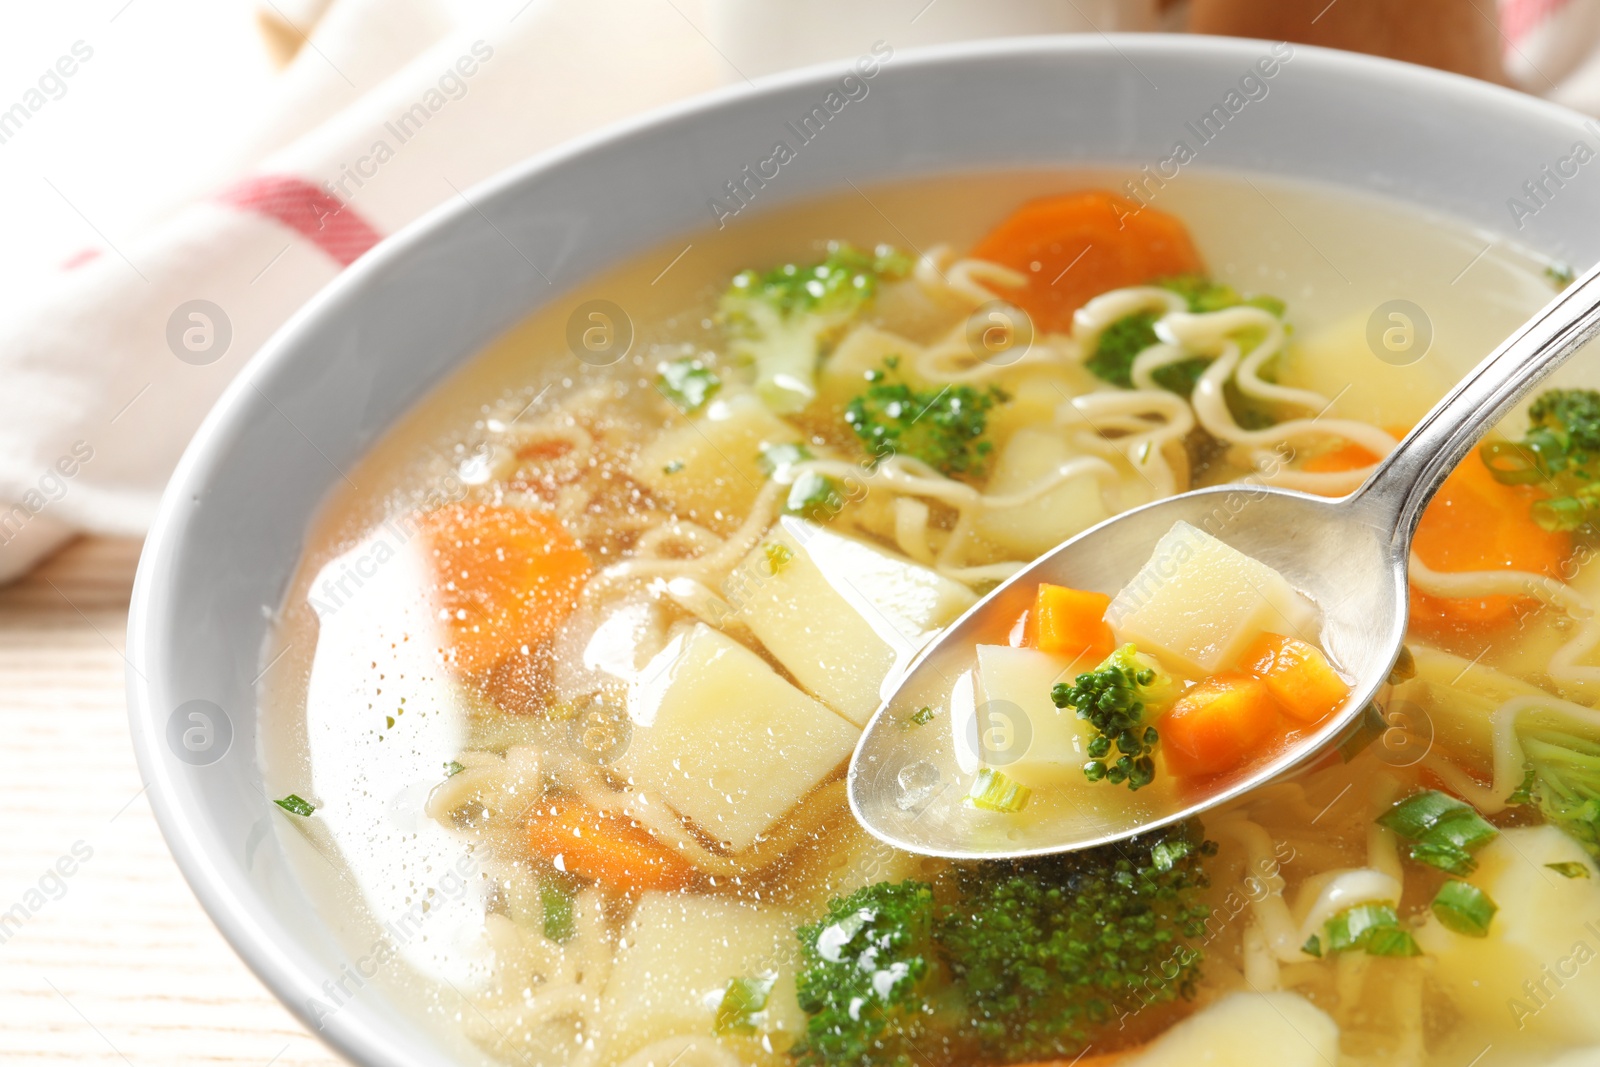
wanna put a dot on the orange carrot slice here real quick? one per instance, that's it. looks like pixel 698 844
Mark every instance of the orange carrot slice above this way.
pixel 1297 675
pixel 1071 622
pixel 611 849
pixel 1075 247
pixel 1349 457
pixel 1478 524
pixel 504 578
pixel 1218 724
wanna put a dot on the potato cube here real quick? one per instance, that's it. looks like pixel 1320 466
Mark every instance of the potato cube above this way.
pixel 1020 730
pixel 863 349
pixel 1198 602
pixel 835 610
pixel 1544 928
pixel 709 469
pixel 1248 1030
pixel 676 957
pixel 1030 529
pixel 725 741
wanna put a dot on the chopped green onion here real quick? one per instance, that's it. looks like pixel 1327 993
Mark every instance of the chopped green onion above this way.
pixel 1446 831
pixel 1371 726
pixel 814 496
pixel 923 715
pixel 1522 794
pixel 775 458
pixel 1464 908
pixel 1559 514
pixel 1571 869
pixel 556 901
pixel 1353 927
pixel 994 791
pixel 296 805
pixel 673 468
pixel 688 383
pixel 1405 667
pixel 1313 946
pixel 1510 463
pixel 1418 813
pixel 1392 941
pixel 453 768
pixel 743 1002
pixel 1447 857
pixel 1466 829
pixel 1372 928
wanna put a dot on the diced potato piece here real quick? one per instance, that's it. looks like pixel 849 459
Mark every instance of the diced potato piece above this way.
pixel 676 957
pixel 1544 938
pixel 1384 394
pixel 709 469
pixel 838 610
pixel 864 349
pixel 1016 683
pixel 724 740
pixel 1037 393
pixel 1199 602
pixel 1032 454
pixel 1247 1030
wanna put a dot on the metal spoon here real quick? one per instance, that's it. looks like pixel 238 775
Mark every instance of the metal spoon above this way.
pixel 1349 556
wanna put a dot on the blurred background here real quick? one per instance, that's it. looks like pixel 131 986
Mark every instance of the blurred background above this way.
pixel 180 176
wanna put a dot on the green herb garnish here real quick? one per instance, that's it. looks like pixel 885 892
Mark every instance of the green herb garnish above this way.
pixel 296 805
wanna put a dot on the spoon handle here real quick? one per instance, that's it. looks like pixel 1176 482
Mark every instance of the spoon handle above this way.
pixel 1405 482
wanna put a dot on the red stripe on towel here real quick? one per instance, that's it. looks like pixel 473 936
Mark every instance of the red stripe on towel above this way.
pixel 1518 18
pixel 318 216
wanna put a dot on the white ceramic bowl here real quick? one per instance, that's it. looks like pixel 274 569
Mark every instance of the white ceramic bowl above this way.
pixel 233 520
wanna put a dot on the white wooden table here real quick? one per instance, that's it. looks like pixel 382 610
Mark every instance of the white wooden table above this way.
pixel 114 964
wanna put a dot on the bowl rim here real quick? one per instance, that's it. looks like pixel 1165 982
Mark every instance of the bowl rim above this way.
pixel 353 1032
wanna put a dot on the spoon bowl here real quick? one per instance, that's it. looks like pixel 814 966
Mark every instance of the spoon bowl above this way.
pixel 1348 556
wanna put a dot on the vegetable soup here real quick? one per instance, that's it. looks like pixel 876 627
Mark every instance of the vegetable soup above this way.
pixel 561 698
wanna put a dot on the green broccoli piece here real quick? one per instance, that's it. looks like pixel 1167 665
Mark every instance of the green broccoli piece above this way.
pixel 942 427
pixel 1114 698
pixel 1049 954
pixel 781 320
pixel 1005 962
pixel 1559 451
pixel 863 975
pixel 688 384
pixel 1121 342
pixel 1564 782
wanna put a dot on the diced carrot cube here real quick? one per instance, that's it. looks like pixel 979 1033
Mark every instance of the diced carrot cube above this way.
pixel 1297 674
pixel 1071 622
pixel 1218 724
pixel 504 577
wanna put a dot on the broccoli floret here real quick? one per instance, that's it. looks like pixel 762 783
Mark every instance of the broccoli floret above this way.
pixel 688 383
pixel 779 321
pixel 1049 953
pixel 1564 781
pixel 863 971
pixel 1121 342
pixel 1005 962
pixel 1116 698
pixel 942 427
pixel 1559 452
